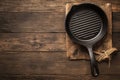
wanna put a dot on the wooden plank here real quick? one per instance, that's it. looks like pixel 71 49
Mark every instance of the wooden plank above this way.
pixel 46 63
pixel 116 22
pixel 39 41
pixel 31 5
pixel 32 41
pixel 33 56
pixel 40 22
pixel 59 77
pixel 116 40
pixel 115 3
pixel 31 22
pixel 46 5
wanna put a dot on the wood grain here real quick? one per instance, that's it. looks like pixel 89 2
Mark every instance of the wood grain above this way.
pixel 32 5
pixel 40 22
pixel 45 63
pixel 32 42
pixel 39 41
pixel 116 22
pixel 59 77
pixel 31 22
pixel 116 40
pixel 46 5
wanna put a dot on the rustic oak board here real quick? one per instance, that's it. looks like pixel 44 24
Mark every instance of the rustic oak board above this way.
pixel 59 77
pixel 32 41
pixel 39 41
pixel 116 22
pixel 32 5
pixel 116 40
pixel 42 63
pixel 46 5
pixel 46 63
pixel 40 22
pixel 31 22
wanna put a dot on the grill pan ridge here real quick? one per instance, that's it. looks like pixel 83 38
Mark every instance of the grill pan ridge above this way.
pixel 86 24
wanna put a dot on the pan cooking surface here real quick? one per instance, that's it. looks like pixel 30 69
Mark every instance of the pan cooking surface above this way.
pixel 85 24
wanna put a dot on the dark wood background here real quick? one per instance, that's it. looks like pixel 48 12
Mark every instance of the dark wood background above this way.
pixel 32 42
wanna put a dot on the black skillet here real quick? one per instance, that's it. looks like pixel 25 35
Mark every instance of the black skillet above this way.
pixel 86 24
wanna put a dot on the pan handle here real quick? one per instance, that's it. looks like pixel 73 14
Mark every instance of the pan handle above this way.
pixel 93 63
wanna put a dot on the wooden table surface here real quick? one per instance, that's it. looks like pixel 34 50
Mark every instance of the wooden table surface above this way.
pixel 32 42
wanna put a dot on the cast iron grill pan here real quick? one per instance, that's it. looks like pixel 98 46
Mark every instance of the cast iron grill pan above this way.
pixel 86 24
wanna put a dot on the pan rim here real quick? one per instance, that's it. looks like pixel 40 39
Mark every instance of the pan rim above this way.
pixel 100 34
